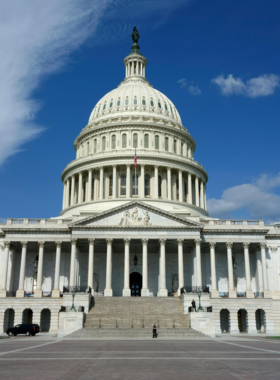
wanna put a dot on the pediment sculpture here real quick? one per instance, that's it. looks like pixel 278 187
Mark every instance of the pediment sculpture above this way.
pixel 135 219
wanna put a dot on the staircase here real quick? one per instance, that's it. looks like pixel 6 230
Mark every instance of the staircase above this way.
pixel 133 317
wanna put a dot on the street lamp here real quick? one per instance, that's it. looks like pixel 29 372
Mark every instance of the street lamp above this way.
pixel 73 291
pixel 199 291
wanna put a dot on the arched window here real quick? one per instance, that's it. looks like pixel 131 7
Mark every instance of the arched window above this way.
pixel 94 146
pixel 166 109
pixel 147 185
pixel 143 102
pixel 124 141
pixel 103 143
pixel 84 190
pixel 159 186
pixel 104 106
pixel 98 108
pixel 152 103
pixel 159 105
pixel 111 103
pixel 157 142
pixel 171 109
pixel 166 147
pixel 113 143
pixel 118 102
pixel 135 184
pixel 110 185
pixel 175 146
pixel 123 184
pixel 182 148
pixel 88 148
pixel 126 101
pixel 135 140
pixel 146 141
pixel 135 101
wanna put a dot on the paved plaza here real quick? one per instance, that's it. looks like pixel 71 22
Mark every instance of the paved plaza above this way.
pixel 58 359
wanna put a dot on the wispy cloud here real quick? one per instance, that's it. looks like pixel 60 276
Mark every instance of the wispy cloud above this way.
pixel 262 85
pixel 192 88
pixel 256 199
pixel 36 38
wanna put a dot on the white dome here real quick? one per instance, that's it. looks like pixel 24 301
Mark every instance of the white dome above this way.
pixel 133 96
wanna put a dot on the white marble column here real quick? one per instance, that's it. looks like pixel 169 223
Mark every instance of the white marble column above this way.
pixel 89 186
pixel 108 292
pixel 231 291
pixel 38 291
pixel 264 270
pixel 142 189
pixel 198 263
pixel 64 196
pixel 128 185
pixel 169 194
pixel 101 180
pixel 190 200
pixel 214 291
pixel 145 289
pixel 80 188
pixel 162 270
pixel 196 192
pixel 67 191
pixel 72 262
pixel 126 288
pixel 156 182
pixel 114 194
pixel 91 265
pixel 201 194
pixel 180 186
pixel 20 291
pixel 180 265
pixel 56 291
pixel 249 293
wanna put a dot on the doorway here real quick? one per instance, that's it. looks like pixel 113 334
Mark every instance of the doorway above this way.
pixel 135 284
pixel 242 320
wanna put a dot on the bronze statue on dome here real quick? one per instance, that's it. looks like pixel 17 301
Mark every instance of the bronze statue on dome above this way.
pixel 135 35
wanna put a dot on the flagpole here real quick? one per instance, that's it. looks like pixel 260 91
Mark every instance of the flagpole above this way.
pixel 135 177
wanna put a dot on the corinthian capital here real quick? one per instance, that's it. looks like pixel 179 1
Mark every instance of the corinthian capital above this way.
pixel 73 241
pixel 246 245
pixel 180 241
pixel 262 245
pixel 109 241
pixel 145 241
pixel 162 241
pixel 212 244
pixel 229 244
pixel 91 241
pixel 126 241
pixel 7 244
pixel 41 244
pixel 24 244
pixel 58 244
pixel 197 241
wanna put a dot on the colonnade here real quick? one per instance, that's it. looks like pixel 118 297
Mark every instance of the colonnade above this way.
pixel 162 291
pixel 116 181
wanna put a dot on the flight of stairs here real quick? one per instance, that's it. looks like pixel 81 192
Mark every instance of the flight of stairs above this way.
pixel 133 317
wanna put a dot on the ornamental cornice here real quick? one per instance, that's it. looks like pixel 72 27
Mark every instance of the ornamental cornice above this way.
pixel 26 231
pixel 76 166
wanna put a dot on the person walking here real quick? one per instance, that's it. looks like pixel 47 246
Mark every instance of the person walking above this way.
pixel 193 305
pixel 154 331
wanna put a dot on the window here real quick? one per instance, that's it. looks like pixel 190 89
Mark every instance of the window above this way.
pixel 157 142
pixel 146 141
pixel 123 184
pixel 182 148
pixel 143 102
pixel 166 147
pixel 159 105
pixel 110 185
pixel 124 141
pixel 171 109
pixel 94 146
pixel 84 190
pixel 118 102
pixel 104 106
pixel 135 184
pixel 175 146
pixel 92 189
pixel 111 104
pixel 135 101
pixel 98 109
pixel 34 285
pixel 147 185
pixel 135 140
pixel 88 148
pixel 94 111
pixel 159 186
pixel 185 191
pixel 126 101
pixel 152 103
pixel 177 189
pixel 165 106
pixel 103 143
pixel 113 143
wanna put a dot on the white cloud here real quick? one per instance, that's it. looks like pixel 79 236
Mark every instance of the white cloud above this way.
pixel 36 38
pixel 263 85
pixel 192 88
pixel 256 199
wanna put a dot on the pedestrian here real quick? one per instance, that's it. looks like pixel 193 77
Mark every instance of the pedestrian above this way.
pixel 154 331
pixel 193 305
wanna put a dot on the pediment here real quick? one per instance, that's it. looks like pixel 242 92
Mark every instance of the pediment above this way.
pixel 135 215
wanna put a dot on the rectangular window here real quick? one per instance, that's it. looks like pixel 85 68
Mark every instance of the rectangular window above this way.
pixel 123 184
pixel 114 142
pixel 124 141
pixel 157 142
pixel 135 140
pixel 103 143
pixel 135 184
pixel 95 146
pixel 146 141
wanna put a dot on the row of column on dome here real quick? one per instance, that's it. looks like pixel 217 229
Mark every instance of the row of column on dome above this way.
pixel 119 182
pixel 110 141
pixel 162 289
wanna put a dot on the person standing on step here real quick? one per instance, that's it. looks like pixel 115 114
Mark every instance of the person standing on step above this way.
pixel 154 331
pixel 193 305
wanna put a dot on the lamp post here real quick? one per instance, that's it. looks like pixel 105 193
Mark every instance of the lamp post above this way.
pixel 199 291
pixel 73 291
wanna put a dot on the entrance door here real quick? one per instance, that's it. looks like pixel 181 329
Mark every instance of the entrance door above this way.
pixel 135 284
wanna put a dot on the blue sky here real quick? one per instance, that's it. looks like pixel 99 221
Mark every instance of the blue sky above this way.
pixel 218 61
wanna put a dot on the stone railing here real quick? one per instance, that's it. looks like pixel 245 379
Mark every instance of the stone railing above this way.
pixel 44 222
pixel 221 222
